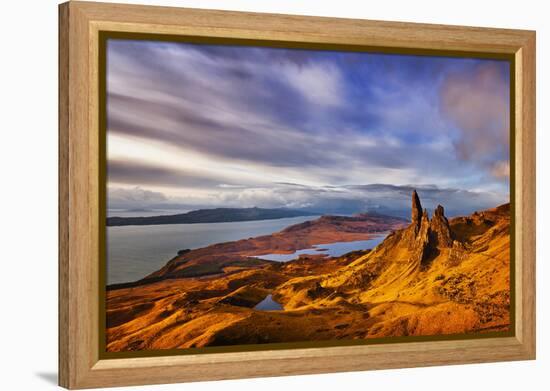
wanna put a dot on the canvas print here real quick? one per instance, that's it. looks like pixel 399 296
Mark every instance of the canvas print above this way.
pixel 261 195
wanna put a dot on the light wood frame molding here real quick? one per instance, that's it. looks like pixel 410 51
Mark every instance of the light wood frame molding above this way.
pixel 79 25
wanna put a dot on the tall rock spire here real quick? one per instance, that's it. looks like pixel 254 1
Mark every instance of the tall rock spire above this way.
pixel 416 214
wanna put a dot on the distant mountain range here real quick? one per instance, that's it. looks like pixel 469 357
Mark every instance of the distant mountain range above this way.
pixel 218 215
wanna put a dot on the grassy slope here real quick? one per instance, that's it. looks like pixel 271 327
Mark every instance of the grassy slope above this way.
pixel 363 295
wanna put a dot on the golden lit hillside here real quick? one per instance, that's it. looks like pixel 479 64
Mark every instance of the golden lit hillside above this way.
pixel 436 276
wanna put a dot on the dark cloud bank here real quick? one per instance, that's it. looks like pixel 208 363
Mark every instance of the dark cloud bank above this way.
pixel 381 198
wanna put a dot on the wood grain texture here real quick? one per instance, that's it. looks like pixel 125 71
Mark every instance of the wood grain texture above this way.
pixel 63 221
pixel 80 23
pixel 526 187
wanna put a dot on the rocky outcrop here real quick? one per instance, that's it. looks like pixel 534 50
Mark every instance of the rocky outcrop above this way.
pixel 416 212
pixel 420 246
pixel 426 237
pixel 439 227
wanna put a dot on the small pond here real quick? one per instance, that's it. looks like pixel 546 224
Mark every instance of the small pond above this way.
pixel 268 304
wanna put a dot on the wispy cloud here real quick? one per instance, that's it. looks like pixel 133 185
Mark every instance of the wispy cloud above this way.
pixel 225 124
pixel 132 172
pixel 477 102
pixel 389 199
pixel 321 84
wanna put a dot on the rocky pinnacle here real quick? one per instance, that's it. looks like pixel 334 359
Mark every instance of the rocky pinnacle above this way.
pixel 439 227
pixel 416 214
pixel 425 234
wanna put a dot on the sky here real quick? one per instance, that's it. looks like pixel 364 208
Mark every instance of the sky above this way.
pixel 200 126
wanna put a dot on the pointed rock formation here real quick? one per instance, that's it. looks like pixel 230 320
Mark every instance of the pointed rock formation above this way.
pixel 426 236
pixel 416 213
pixel 439 227
pixel 420 245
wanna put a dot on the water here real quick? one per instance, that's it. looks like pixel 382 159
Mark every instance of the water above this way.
pixel 136 251
pixel 268 304
pixel 331 249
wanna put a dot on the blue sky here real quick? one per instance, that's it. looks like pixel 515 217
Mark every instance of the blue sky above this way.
pixel 204 126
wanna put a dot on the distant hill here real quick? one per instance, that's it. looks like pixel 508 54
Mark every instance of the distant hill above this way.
pixel 218 215
pixel 246 253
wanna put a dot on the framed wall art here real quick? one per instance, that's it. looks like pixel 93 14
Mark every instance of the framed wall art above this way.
pixel 247 195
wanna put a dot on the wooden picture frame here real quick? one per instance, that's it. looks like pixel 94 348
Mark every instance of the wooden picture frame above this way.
pixel 80 24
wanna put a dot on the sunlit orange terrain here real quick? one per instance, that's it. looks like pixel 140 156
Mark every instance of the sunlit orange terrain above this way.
pixel 431 277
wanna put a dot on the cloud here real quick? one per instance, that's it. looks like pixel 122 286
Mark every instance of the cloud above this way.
pixel 226 123
pixel 133 197
pixel 320 84
pixel 382 198
pixel 228 186
pixel 134 172
pixel 455 201
pixel 477 101
pixel 501 169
